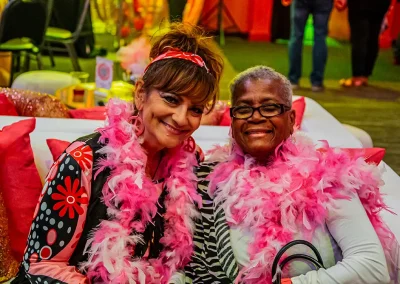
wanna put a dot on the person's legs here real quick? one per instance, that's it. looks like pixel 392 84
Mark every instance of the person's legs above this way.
pixel 298 17
pixel 359 27
pixel 375 23
pixel 396 51
pixel 321 12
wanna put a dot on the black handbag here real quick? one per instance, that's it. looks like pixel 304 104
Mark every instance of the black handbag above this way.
pixel 318 263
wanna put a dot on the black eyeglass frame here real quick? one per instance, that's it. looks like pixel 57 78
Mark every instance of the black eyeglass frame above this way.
pixel 283 109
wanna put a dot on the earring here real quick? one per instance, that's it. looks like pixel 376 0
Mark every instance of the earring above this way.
pixel 137 124
pixel 292 138
pixel 189 145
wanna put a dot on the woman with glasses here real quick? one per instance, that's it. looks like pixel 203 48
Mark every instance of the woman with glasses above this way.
pixel 118 206
pixel 271 186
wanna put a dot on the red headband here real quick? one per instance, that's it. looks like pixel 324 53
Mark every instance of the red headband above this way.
pixel 176 53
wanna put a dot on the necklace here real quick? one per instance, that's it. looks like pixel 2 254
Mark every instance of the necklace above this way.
pixel 130 193
pixel 158 165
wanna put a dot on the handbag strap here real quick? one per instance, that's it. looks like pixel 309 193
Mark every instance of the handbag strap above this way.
pixel 317 262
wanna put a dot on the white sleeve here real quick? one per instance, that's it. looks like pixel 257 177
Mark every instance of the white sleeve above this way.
pixel 363 257
pixel 177 278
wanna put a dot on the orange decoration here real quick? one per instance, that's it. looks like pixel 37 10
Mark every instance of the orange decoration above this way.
pixel 138 23
pixel 125 31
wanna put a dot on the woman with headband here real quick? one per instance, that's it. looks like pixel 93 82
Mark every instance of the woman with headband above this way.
pixel 118 205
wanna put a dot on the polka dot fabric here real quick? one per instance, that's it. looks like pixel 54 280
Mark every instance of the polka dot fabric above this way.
pixel 59 216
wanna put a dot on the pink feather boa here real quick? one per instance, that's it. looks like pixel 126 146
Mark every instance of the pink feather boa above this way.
pixel 129 193
pixel 292 193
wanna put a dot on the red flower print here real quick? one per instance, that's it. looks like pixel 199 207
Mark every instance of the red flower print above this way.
pixel 71 198
pixel 83 155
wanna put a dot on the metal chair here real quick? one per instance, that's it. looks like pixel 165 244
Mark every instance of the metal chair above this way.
pixel 67 38
pixel 22 29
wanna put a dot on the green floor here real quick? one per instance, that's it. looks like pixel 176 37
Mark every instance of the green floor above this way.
pixel 375 109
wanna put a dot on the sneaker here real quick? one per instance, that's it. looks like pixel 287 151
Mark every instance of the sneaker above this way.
pixel 317 88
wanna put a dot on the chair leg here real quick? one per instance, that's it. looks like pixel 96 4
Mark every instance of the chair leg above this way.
pixel 74 57
pixel 18 62
pixel 39 61
pixel 27 61
pixel 51 55
pixel 13 62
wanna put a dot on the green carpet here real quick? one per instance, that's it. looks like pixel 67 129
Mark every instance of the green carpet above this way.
pixel 375 108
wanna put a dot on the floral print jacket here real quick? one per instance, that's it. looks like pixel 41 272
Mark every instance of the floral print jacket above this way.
pixel 69 208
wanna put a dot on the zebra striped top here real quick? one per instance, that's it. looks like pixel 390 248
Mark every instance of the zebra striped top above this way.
pixel 213 261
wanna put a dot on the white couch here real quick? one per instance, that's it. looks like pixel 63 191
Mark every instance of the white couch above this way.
pixel 317 123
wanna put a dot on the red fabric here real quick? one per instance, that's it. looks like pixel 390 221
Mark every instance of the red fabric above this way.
pixel 97 113
pixel 371 155
pixel 298 105
pixel 226 118
pixel 176 53
pixel 57 147
pixel 6 106
pixel 19 181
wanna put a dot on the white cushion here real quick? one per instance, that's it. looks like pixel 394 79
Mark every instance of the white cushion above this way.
pixel 44 81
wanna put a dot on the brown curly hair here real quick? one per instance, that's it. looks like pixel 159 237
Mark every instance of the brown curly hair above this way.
pixel 183 77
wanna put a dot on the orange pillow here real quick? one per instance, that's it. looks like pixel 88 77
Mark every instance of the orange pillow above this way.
pixel 57 147
pixel 8 265
pixel 6 106
pixel 29 103
pixel 20 182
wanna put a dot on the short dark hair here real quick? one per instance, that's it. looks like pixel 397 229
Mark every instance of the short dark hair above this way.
pixel 261 72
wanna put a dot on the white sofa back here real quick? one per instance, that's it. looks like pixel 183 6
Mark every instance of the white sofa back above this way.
pixel 317 123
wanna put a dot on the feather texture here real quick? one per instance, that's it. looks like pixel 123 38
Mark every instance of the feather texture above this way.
pixel 293 192
pixel 129 193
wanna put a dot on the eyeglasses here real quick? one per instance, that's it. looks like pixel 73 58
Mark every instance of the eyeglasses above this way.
pixel 270 110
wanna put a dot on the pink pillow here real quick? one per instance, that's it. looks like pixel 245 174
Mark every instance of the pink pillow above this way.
pixel 298 105
pixel 371 155
pixel 57 147
pixel 19 181
pixel 6 106
pixel 97 113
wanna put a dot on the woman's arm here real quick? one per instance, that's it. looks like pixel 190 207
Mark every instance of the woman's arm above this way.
pixel 178 278
pixel 59 219
pixel 363 257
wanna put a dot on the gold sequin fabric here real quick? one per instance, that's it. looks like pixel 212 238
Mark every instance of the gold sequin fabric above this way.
pixel 8 265
pixel 29 103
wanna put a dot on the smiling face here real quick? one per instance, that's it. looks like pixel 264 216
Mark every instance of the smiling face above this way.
pixel 168 118
pixel 259 136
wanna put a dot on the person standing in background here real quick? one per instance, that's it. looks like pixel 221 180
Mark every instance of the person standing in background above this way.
pixel 300 10
pixel 397 51
pixel 365 19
